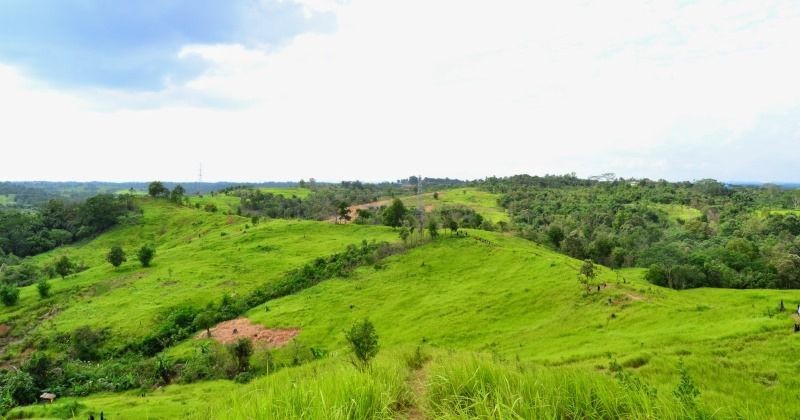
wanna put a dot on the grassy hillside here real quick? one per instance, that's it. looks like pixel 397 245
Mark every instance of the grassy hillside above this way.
pixel 481 201
pixel 199 257
pixel 502 307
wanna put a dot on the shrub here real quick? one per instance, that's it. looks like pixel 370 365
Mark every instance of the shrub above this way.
pixel 86 343
pixel 363 342
pixel 9 294
pixel 241 350
pixel 145 255
pixel 116 256
pixel 64 266
pixel 43 287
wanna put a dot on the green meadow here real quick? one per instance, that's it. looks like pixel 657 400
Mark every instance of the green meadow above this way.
pixel 503 327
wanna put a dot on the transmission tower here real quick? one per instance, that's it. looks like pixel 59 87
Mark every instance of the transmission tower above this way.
pixel 200 173
pixel 420 207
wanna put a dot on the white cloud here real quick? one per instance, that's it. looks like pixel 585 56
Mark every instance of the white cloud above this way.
pixel 448 88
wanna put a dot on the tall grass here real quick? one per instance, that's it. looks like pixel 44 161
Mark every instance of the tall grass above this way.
pixel 475 387
pixel 329 390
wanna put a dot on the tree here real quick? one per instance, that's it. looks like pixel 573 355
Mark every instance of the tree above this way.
pixel 343 212
pixel 9 294
pixel 145 255
pixel 433 228
pixel 177 194
pixel 116 256
pixel 394 214
pixel 404 233
pixel 157 189
pixel 436 195
pixel 453 226
pixel 363 342
pixel 588 273
pixel 43 287
pixel 64 266
pixel 241 350
pixel 204 321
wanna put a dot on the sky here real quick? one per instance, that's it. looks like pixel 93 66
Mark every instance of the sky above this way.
pixel 260 90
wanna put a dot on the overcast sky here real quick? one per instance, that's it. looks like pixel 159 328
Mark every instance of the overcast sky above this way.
pixel 262 90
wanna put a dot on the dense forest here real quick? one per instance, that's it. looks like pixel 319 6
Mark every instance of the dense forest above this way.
pixel 689 234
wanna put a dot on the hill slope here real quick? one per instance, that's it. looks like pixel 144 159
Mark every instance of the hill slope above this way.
pixel 463 300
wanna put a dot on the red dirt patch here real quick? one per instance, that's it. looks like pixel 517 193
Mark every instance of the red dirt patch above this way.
pixel 4 329
pixel 231 331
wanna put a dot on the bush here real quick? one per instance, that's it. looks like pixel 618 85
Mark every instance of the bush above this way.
pixel 241 350
pixel 145 255
pixel 18 389
pixel 363 342
pixel 86 342
pixel 43 287
pixel 9 294
pixel 116 256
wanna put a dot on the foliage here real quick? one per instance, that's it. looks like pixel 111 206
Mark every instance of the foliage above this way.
pixel 9 294
pixel 116 256
pixel 64 266
pixel 145 255
pixel 692 234
pixel 43 288
pixel 363 341
pixel 395 214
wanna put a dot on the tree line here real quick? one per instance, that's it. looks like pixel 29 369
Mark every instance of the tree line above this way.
pixel 689 234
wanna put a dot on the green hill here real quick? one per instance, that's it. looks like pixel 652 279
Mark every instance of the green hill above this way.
pixel 507 327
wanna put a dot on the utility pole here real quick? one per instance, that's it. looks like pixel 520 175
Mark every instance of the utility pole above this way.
pixel 200 174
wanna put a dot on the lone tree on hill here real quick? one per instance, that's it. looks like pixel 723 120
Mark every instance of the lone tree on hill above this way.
pixel 588 273
pixel 116 256
pixel 363 341
pixel 157 189
pixel 145 255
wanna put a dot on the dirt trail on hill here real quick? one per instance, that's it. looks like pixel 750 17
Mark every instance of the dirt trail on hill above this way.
pixel 231 331
pixel 353 210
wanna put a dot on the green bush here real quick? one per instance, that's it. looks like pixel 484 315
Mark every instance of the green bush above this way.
pixel 43 287
pixel 9 294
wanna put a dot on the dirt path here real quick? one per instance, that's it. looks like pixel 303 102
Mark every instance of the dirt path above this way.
pixel 231 331
pixel 417 383
pixel 353 210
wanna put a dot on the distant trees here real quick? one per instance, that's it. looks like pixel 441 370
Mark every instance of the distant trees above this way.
pixel 404 233
pixel 363 341
pixel 145 255
pixel 116 256
pixel 394 214
pixel 157 189
pixel 59 223
pixel 177 194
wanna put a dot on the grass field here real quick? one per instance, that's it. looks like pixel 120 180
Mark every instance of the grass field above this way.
pixel 678 212
pixel 509 330
pixel 483 202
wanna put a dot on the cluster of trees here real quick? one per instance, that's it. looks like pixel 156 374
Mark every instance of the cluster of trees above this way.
pixel 24 233
pixel 690 234
pixel 156 189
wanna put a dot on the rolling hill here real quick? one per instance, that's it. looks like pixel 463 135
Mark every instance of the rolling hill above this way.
pixel 502 325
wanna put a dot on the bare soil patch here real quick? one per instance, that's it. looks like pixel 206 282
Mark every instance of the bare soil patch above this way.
pixel 4 329
pixel 231 331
